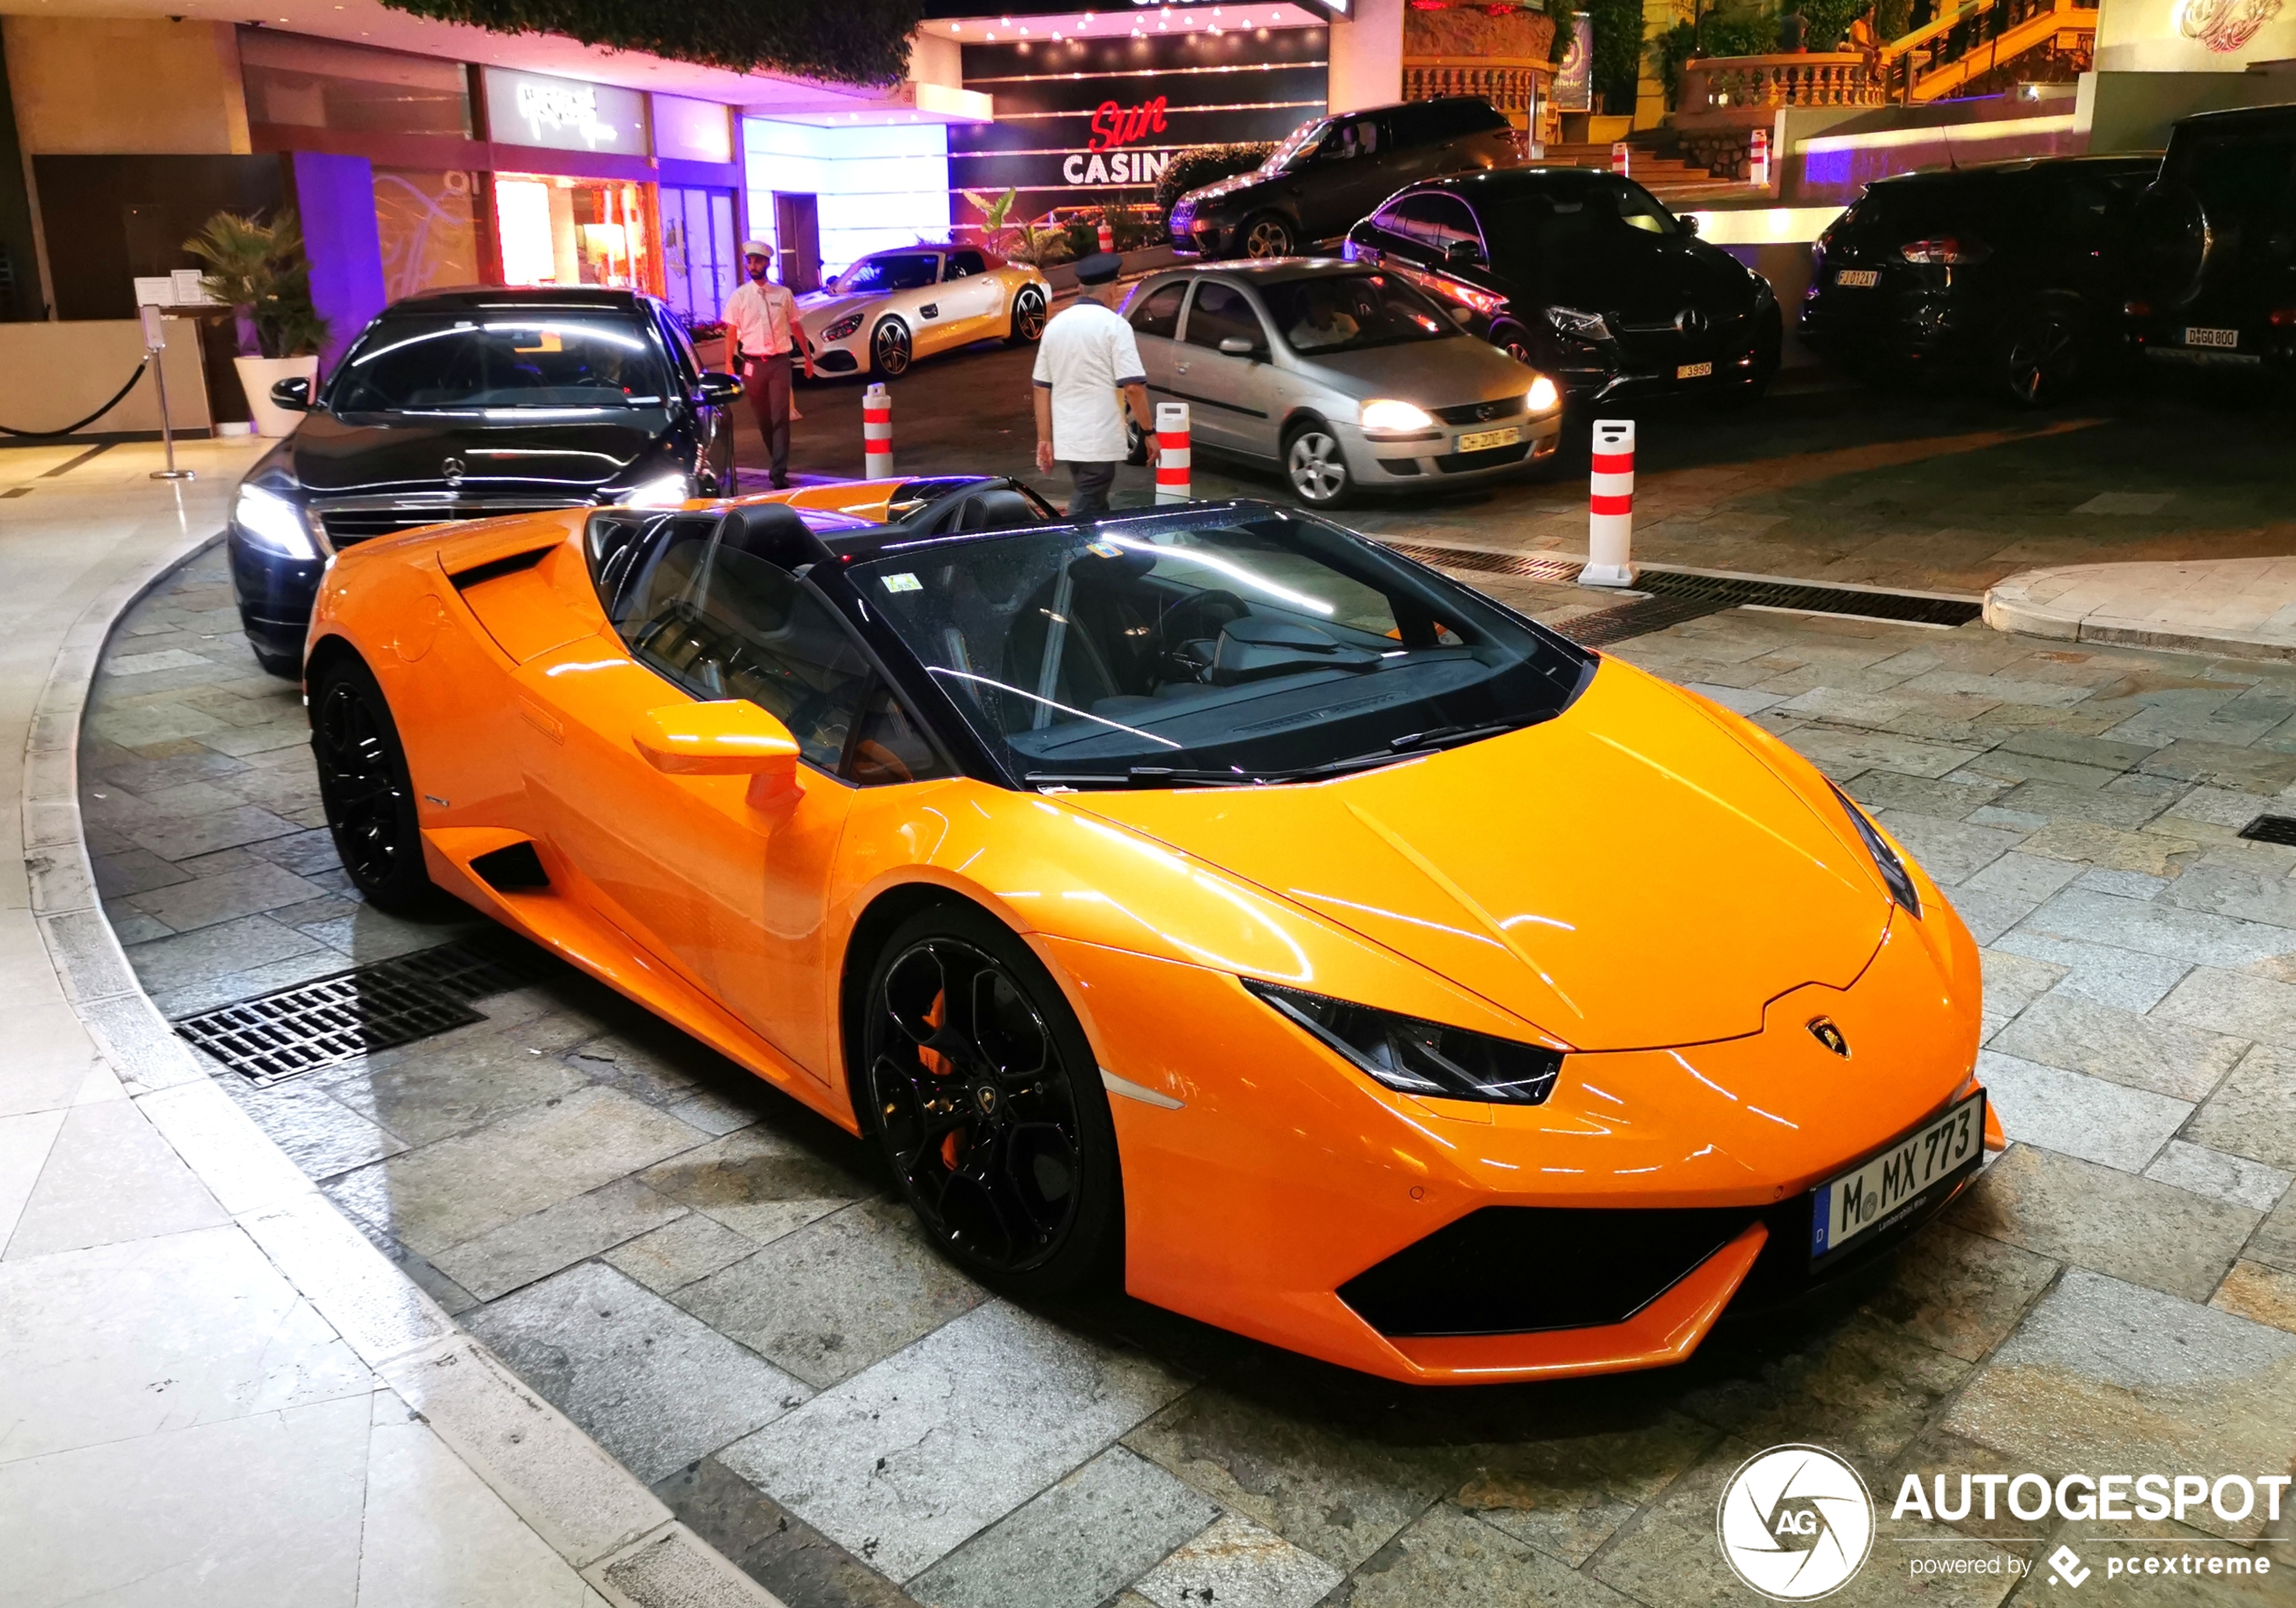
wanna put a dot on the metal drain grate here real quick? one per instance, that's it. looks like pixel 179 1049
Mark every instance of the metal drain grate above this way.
pixel 1532 565
pixel 2271 829
pixel 338 1019
pixel 1724 592
pixel 1674 597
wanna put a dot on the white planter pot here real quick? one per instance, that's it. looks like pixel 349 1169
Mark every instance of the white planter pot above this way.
pixel 258 375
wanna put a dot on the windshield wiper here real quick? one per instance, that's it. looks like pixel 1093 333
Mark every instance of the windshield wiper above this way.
pixel 1148 775
pixel 1402 748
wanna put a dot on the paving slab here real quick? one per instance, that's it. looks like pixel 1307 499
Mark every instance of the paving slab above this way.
pixel 1074 1545
pixel 903 1462
pixel 654 1386
pixel 1567 1496
pixel 2110 1374
pixel 773 1545
pixel 1236 1561
pixel 2107 1220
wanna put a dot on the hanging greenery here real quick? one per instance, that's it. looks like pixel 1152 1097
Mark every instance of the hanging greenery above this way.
pixel 852 41
pixel 1618 51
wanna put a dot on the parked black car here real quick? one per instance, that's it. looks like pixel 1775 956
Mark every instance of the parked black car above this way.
pixel 467 404
pixel 2013 272
pixel 2216 241
pixel 1332 171
pixel 1584 277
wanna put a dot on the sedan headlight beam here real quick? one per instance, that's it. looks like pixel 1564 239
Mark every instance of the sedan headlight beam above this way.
pixel 271 521
pixel 1414 1057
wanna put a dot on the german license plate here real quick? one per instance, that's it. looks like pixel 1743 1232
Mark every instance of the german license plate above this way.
pixel 1858 279
pixel 1877 1193
pixel 1476 440
pixel 1693 370
pixel 2201 335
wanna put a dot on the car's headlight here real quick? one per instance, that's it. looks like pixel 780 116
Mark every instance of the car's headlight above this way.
pixel 269 521
pixel 663 491
pixel 1893 870
pixel 842 328
pixel 1543 395
pixel 1578 326
pixel 1389 415
pixel 1421 1057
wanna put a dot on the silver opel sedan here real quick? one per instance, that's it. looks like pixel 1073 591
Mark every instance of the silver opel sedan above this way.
pixel 1347 378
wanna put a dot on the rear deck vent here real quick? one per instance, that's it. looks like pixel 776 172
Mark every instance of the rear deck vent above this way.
pixel 2271 829
pixel 333 1019
pixel 515 869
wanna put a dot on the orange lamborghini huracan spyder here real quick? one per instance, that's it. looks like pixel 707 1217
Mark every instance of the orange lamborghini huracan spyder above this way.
pixel 1205 900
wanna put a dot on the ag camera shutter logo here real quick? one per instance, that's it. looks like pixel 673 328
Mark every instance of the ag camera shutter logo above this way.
pixel 1795 1523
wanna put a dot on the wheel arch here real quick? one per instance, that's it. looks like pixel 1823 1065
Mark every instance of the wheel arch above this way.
pixel 885 912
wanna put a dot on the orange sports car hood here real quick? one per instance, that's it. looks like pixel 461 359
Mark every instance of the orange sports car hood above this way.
pixel 1627 876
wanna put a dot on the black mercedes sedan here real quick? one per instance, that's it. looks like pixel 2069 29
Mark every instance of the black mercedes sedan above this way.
pixel 469 404
pixel 1582 276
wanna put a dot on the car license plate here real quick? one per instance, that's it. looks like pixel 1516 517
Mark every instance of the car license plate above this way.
pixel 1872 1195
pixel 1476 440
pixel 1858 279
pixel 1693 370
pixel 2199 335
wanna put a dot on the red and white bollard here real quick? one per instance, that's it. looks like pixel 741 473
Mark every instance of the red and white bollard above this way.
pixel 1107 236
pixel 1610 507
pixel 877 432
pixel 1757 159
pixel 1621 157
pixel 1172 452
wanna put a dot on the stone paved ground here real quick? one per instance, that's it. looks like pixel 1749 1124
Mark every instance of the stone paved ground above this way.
pixel 712 1281
pixel 1931 489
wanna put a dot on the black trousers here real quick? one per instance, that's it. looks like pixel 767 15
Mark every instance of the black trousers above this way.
pixel 1092 481
pixel 766 382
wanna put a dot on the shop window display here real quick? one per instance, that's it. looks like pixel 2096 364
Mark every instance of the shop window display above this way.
pixel 576 232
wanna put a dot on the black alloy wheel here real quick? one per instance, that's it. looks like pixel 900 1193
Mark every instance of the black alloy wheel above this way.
pixel 987 1100
pixel 1028 316
pixel 1514 340
pixel 1268 235
pixel 2040 358
pixel 888 349
pixel 365 790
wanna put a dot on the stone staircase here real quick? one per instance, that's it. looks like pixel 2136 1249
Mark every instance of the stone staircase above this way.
pixel 1652 164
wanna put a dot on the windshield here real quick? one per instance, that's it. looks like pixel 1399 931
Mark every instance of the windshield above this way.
pixel 1546 228
pixel 910 271
pixel 445 362
pixel 1350 311
pixel 1216 647
pixel 1296 147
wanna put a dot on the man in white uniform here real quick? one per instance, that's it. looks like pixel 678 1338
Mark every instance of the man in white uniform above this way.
pixel 1087 368
pixel 761 331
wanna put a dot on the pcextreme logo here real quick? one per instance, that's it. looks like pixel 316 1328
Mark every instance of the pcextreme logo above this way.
pixel 1795 1523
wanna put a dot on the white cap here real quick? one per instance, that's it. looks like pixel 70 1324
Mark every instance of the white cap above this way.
pixel 756 248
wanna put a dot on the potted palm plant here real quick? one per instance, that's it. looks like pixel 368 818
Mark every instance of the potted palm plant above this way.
pixel 259 271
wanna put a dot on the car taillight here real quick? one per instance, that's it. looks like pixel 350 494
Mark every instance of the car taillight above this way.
pixel 2137 309
pixel 2283 318
pixel 1485 302
pixel 1952 250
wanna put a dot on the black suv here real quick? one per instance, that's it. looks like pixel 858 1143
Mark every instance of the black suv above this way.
pixel 2013 272
pixel 468 404
pixel 1332 171
pixel 1584 277
pixel 2216 239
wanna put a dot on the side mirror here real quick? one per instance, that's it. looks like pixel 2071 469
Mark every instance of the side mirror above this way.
pixel 293 393
pixel 1463 254
pixel 720 390
pixel 1689 220
pixel 730 738
pixel 1236 346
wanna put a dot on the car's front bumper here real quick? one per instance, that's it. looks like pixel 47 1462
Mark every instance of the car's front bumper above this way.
pixel 1268 1179
pixel 1378 463
pixel 274 594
